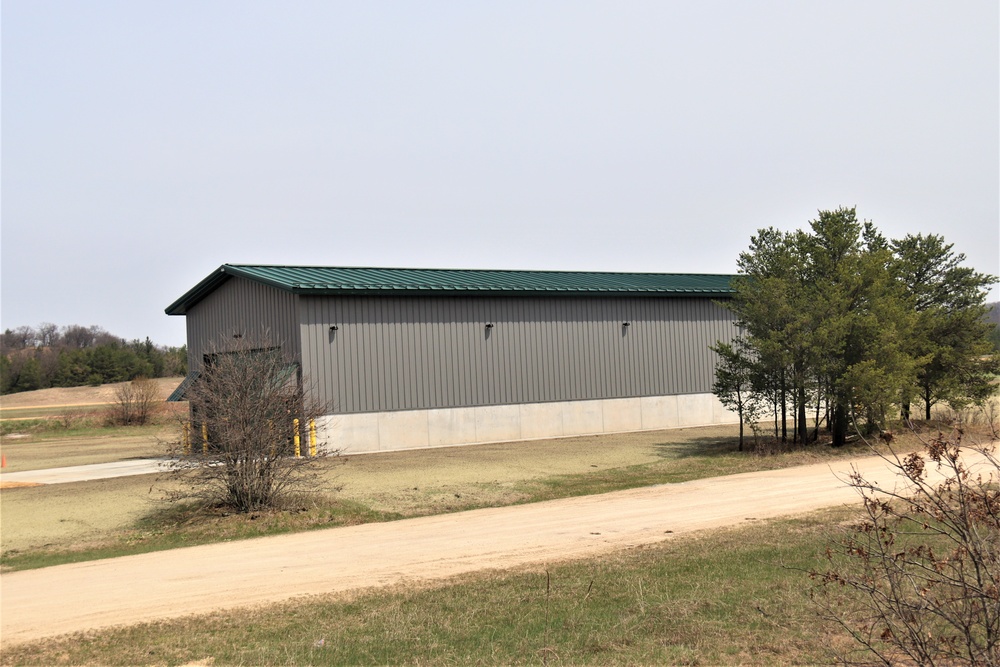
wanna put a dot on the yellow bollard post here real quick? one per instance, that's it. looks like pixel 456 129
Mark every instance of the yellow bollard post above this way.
pixel 298 444
pixel 186 439
pixel 312 437
pixel 204 438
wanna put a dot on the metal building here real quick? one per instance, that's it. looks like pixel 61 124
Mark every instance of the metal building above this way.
pixel 411 358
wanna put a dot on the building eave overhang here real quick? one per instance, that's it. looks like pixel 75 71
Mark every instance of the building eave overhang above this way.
pixel 198 292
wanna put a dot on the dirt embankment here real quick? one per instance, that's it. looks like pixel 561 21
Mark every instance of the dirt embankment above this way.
pixel 73 396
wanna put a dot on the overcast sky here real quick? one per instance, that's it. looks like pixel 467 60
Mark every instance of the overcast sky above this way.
pixel 146 143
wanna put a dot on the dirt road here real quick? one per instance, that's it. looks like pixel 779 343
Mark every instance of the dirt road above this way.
pixel 67 598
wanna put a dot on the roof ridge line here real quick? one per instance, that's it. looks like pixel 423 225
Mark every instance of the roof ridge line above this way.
pixel 467 270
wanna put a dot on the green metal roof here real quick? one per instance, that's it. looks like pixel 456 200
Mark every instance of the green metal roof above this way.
pixel 328 280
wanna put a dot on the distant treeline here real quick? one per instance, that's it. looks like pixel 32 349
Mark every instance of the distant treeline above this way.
pixel 72 356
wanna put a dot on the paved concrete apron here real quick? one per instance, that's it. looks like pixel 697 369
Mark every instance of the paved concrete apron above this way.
pixel 131 589
pixel 86 472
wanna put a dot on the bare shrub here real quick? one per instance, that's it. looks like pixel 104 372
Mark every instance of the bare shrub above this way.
pixel 247 406
pixel 980 418
pixel 135 402
pixel 918 580
pixel 68 420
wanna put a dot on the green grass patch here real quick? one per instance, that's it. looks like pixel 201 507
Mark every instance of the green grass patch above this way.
pixel 737 596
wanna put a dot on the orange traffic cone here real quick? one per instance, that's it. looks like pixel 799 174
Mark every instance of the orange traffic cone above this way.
pixel 3 460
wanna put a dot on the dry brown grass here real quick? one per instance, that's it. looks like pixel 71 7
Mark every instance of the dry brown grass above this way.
pixel 83 446
pixel 75 396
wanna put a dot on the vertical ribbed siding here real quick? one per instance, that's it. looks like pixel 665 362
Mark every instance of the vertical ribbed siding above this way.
pixel 251 309
pixel 419 353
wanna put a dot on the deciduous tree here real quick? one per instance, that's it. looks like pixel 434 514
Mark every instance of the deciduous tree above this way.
pixel 250 428
pixel 917 581
pixel 135 402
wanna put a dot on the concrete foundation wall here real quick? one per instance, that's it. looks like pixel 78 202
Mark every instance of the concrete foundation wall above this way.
pixel 416 429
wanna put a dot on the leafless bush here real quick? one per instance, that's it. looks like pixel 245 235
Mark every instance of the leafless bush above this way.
pixel 982 418
pixel 247 446
pixel 135 402
pixel 68 420
pixel 918 581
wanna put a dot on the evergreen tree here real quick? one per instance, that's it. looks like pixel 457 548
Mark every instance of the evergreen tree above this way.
pixel 826 321
pixel 30 377
pixel 951 341
pixel 74 368
pixel 6 378
pixel 861 315
pixel 770 307
pixel 733 384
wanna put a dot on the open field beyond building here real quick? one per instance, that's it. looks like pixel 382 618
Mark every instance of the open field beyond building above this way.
pixel 58 397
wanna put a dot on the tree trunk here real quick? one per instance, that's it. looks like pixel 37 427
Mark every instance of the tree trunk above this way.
pixel 784 409
pixel 795 415
pixel 739 402
pixel 775 417
pixel 826 408
pixel 801 421
pixel 816 429
pixel 839 425
pixel 927 402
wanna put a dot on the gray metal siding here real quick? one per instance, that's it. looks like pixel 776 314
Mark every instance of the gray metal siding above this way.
pixel 258 312
pixel 420 353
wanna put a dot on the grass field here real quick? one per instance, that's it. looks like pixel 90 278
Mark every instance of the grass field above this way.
pixel 64 411
pixel 83 443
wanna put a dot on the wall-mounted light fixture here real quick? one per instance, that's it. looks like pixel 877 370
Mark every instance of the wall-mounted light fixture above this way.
pixel 626 324
pixel 489 325
pixel 333 327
